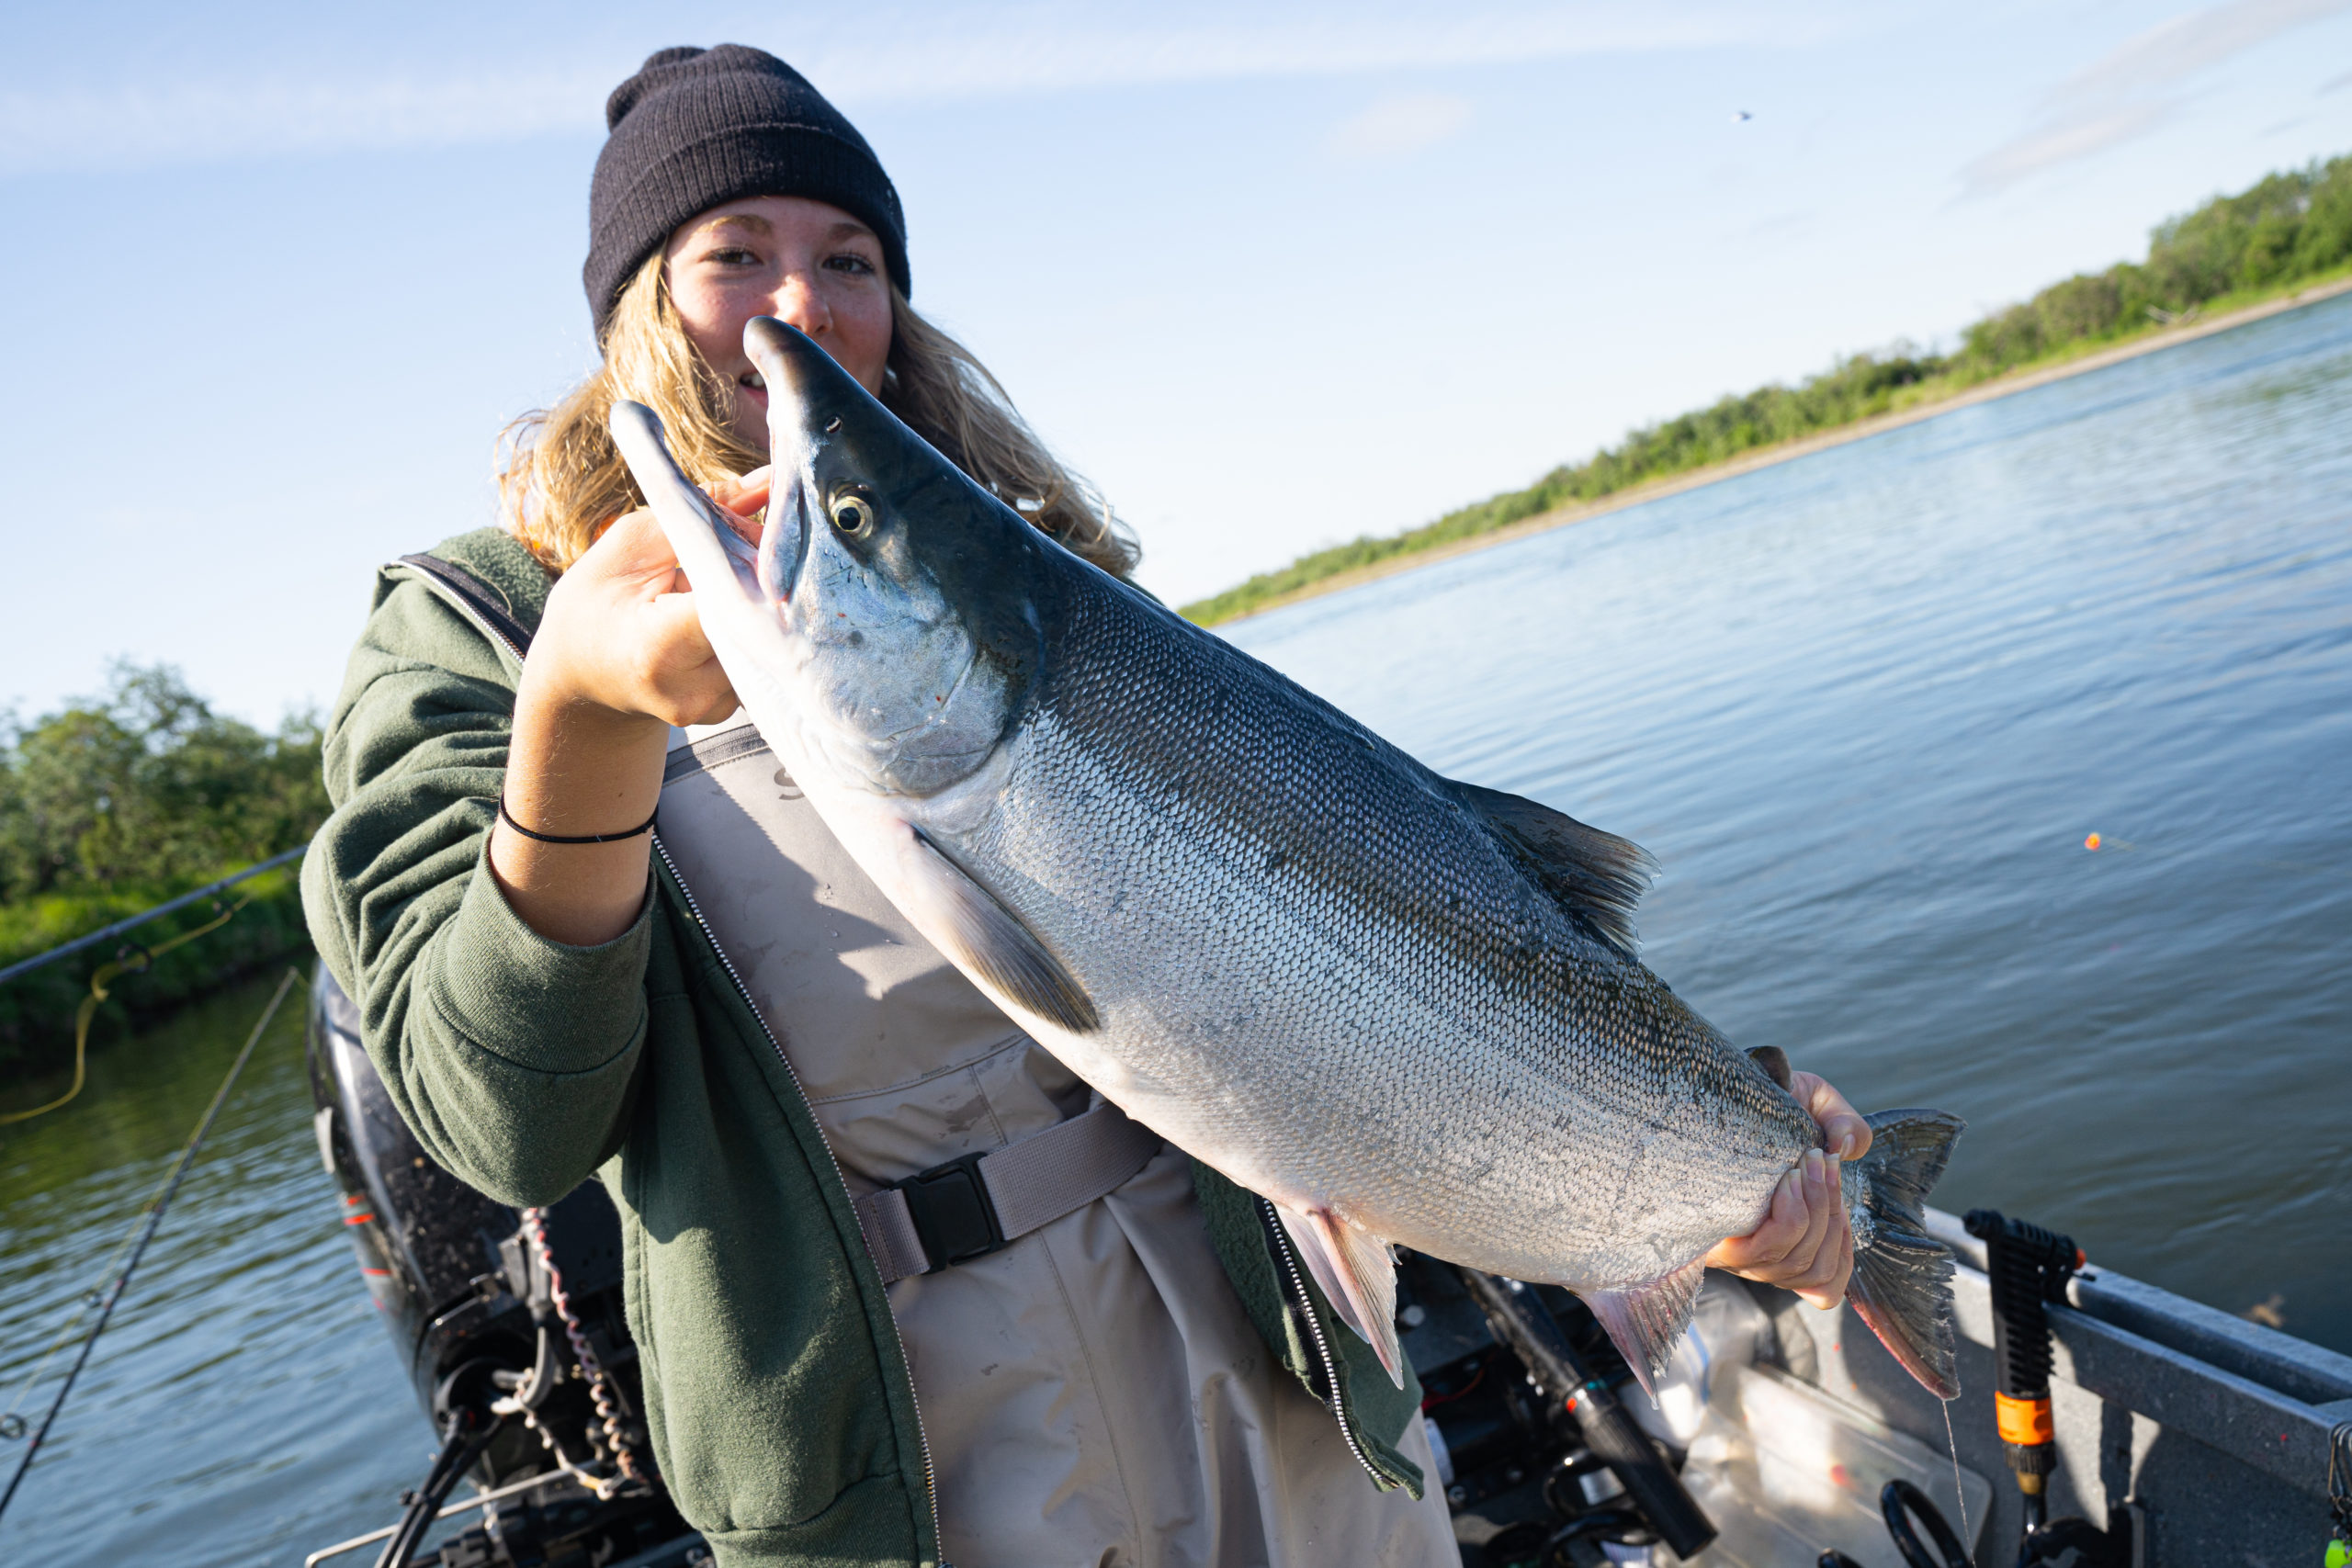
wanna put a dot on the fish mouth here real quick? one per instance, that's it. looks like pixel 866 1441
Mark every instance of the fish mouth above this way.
pixel 789 527
pixel 787 360
pixel 784 535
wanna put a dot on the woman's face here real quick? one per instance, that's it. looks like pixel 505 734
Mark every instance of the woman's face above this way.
pixel 787 256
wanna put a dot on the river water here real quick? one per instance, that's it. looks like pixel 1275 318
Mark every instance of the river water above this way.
pixel 1864 707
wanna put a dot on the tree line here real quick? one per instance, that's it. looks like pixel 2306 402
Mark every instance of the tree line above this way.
pixel 2286 229
pixel 117 802
pixel 144 786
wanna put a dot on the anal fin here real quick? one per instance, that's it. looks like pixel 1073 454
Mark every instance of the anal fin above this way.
pixel 1646 1321
pixel 996 945
pixel 1358 1276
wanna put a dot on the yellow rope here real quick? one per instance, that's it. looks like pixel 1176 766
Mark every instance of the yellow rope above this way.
pixel 107 972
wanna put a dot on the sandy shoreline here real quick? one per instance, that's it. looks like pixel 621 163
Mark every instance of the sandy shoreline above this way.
pixel 1764 459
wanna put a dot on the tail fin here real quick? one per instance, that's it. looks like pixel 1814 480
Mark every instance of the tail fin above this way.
pixel 1902 1284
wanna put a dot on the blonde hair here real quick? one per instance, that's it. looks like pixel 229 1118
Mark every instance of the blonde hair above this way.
pixel 560 479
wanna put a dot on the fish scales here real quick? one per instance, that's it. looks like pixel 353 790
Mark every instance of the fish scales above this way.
pixel 1401 1026
pixel 1403 1008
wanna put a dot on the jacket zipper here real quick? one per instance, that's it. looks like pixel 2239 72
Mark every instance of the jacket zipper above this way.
pixel 1306 1305
pixel 744 994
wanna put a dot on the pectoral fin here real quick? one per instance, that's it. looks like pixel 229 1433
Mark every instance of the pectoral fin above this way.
pixel 1646 1320
pixel 978 932
pixel 1358 1276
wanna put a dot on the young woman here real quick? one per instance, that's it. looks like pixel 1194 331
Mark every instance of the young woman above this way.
pixel 740 1035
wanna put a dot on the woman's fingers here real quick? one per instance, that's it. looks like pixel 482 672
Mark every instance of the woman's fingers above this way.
pixel 1761 1250
pixel 1826 1257
pixel 1843 1131
pixel 741 493
pixel 622 633
pixel 632 556
pixel 1804 1243
pixel 682 672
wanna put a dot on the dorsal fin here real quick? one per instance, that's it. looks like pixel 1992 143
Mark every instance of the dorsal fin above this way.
pixel 1595 877
pixel 1773 1060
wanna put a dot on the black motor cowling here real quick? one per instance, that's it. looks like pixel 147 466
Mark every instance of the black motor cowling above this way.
pixel 510 1325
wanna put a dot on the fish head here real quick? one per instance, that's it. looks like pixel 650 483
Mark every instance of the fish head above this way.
pixel 906 593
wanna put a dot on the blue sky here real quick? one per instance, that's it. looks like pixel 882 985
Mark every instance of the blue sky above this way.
pixel 1274 275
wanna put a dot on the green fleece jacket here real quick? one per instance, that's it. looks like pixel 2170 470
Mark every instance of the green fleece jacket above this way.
pixel 782 1416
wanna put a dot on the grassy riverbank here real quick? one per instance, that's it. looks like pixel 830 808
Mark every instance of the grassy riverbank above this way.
pixel 2289 233
pixel 117 803
pixel 37 1009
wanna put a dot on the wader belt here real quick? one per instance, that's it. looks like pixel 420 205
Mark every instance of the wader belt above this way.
pixel 984 1202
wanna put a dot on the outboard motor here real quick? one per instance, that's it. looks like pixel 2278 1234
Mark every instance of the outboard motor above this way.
pixel 510 1327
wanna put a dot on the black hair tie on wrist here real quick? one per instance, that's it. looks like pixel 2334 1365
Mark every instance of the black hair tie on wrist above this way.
pixel 508 817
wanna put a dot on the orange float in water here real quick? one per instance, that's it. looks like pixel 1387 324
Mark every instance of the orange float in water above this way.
pixel 2091 843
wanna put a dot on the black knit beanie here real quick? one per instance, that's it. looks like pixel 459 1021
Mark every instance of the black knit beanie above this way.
pixel 699 127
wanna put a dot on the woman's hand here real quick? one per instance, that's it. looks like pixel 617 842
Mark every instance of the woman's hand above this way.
pixel 619 656
pixel 1804 1243
pixel 621 644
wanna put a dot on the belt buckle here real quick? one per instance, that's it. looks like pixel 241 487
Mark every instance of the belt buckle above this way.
pixel 953 1214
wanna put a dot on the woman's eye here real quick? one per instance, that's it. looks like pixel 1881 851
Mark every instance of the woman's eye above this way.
pixel 853 513
pixel 732 256
pixel 849 263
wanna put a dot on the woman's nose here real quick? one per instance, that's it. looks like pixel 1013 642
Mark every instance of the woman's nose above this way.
pixel 800 302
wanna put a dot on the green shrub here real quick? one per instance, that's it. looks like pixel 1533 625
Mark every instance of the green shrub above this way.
pixel 117 803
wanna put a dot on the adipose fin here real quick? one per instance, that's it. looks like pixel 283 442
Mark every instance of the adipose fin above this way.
pixel 1773 1060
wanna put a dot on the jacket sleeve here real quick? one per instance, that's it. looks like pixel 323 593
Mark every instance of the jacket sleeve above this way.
pixel 514 1058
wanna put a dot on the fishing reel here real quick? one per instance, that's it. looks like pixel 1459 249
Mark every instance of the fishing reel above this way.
pixel 1543 1463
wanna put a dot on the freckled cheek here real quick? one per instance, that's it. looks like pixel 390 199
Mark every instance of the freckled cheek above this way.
pixel 864 329
pixel 713 322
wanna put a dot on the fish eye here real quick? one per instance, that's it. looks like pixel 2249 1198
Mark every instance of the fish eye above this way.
pixel 852 513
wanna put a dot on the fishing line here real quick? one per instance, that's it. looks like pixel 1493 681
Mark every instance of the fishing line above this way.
pixel 155 1208
pixel 1952 1441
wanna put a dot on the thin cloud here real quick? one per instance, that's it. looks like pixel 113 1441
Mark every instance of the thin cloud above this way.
pixel 1779 224
pixel 2063 143
pixel 142 126
pixel 1406 122
pixel 890 58
pixel 2135 88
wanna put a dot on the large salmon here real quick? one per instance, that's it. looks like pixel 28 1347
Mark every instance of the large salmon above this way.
pixel 1403 1008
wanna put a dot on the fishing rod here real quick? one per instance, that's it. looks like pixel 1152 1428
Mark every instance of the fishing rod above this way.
pixel 1521 1324
pixel 26 967
pixel 155 1218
